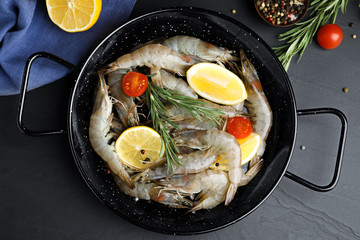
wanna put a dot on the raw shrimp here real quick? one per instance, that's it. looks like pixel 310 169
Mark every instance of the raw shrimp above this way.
pixel 199 49
pixel 217 142
pixel 155 57
pixel 125 105
pixel 152 191
pixel 191 163
pixel 170 81
pixel 99 128
pixel 256 103
pixel 211 187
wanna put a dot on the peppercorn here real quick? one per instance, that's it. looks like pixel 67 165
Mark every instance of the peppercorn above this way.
pixel 351 25
pixel 353 36
pixel 345 90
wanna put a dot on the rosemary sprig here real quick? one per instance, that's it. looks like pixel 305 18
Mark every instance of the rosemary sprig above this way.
pixel 299 37
pixel 154 98
pixel 157 112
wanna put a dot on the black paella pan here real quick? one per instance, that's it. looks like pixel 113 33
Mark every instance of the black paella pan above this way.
pixel 219 30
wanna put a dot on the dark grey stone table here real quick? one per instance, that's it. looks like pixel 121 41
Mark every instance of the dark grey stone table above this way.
pixel 42 195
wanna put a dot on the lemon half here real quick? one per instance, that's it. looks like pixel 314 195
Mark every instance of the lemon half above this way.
pixel 216 83
pixel 74 15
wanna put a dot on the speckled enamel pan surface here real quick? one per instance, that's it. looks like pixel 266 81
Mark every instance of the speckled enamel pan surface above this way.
pixel 219 30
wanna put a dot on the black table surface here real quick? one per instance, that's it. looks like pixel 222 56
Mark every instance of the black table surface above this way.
pixel 43 196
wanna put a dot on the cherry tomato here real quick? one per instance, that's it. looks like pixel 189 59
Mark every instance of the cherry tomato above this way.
pixel 329 36
pixel 239 127
pixel 134 84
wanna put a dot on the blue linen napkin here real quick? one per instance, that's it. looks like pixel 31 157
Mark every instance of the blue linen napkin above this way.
pixel 25 28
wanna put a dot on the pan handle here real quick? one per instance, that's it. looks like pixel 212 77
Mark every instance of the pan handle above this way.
pixel 23 90
pixel 340 152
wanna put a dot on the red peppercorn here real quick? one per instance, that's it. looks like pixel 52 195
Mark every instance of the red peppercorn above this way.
pixel 282 6
pixel 108 171
pixel 270 19
pixel 289 15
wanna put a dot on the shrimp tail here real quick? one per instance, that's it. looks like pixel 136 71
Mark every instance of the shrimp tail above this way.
pixel 230 193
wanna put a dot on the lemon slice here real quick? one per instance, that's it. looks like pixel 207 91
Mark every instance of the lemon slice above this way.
pixel 249 147
pixel 139 147
pixel 74 15
pixel 216 83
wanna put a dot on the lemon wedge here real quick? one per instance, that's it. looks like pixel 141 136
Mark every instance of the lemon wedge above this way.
pixel 74 15
pixel 216 83
pixel 249 147
pixel 139 147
